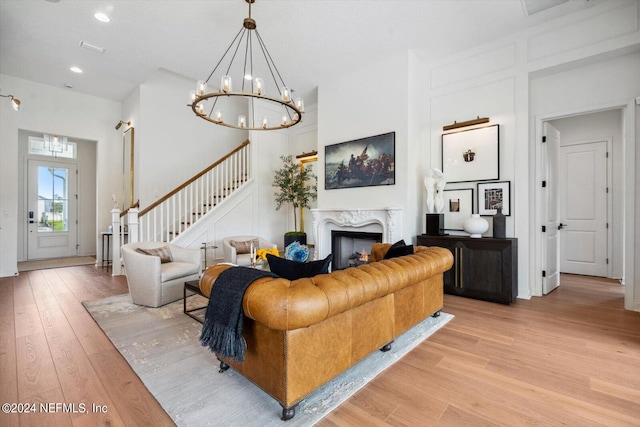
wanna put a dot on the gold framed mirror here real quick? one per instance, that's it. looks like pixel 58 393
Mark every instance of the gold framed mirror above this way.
pixel 127 167
pixel 304 158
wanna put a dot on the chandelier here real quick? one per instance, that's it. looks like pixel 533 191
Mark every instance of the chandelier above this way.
pixel 224 104
pixel 55 144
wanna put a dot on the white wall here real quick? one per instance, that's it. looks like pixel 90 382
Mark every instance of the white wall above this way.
pixel 58 111
pixel 603 126
pixel 172 144
pixel 368 102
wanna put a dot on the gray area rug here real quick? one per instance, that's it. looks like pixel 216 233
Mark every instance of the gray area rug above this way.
pixel 163 348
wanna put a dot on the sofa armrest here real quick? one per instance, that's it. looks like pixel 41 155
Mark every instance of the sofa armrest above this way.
pixel 143 275
pixel 230 254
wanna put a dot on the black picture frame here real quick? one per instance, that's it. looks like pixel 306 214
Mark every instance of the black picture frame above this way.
pixel 458 206
pixel 365 162
pixel 493 194
pixel 471 155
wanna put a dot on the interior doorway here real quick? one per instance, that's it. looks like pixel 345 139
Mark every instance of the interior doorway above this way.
pixel 584 177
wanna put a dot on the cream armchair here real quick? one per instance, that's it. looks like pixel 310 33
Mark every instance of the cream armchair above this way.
pixel 230 251
pixel 153 283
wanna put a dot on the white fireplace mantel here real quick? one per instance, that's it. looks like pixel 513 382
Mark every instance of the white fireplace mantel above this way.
pixel 387 221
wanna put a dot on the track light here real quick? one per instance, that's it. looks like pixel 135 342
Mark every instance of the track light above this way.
pixel 15 102
pixel 120 123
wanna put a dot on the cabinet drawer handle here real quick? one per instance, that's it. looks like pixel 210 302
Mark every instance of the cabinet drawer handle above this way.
pixel 457 267
pixel 460 268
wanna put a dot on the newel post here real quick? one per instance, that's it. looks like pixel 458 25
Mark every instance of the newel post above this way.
pixel 132 220
pixel 116 269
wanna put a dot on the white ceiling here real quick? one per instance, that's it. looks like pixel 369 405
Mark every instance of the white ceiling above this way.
pixel 310 40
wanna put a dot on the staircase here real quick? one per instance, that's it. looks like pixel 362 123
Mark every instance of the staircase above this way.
pixel 184 206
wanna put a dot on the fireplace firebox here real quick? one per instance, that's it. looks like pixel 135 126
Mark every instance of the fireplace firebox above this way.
pixel 351 248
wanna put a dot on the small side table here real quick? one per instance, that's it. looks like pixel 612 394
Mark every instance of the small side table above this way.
pixel 106 255
pixel 193 286
pixel 204 248
pixel 106 237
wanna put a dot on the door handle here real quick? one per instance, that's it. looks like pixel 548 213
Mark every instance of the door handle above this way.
pixel 31 221
pixel 561 226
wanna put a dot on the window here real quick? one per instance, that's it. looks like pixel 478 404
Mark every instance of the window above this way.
pixel 52 146
pixel 53 199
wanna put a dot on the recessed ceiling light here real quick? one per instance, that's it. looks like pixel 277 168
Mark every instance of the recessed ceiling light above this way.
pixel 102 17
pixel 76 69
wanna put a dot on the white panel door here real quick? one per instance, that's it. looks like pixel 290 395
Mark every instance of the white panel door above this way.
pixel 583 209
pixel 52 207
pixel 551 251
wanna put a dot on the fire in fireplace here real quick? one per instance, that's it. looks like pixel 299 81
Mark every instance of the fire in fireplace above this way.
pixel 351 248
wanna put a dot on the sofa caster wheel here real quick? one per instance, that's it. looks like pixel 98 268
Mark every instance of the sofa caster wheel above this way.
pixel 386 348
pixel 436 314
pixel 223 366
pixel 288 413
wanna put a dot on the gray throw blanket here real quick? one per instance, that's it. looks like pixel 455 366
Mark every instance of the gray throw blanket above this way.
pixel 222 328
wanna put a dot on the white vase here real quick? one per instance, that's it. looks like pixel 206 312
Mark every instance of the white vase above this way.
pixel 475 225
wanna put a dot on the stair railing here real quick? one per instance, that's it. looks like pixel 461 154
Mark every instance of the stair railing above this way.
pixel 171 215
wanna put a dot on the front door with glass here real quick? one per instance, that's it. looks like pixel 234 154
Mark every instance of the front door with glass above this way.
pixel 52 209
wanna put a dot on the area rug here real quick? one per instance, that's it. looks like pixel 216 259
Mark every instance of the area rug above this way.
pixel 42 264
pixel 163 348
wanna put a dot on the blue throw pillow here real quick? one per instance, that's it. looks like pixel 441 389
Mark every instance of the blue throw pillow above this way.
pixel 399 248
pixel 293 270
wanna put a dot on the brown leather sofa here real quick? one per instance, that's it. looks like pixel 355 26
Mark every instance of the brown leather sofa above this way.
pixel 302 333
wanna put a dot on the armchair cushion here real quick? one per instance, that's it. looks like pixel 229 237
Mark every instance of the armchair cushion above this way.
pixel 175 270
pixel 244 247
pixel 163 252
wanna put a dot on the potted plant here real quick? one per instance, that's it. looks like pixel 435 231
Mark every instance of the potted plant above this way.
pixel 296 187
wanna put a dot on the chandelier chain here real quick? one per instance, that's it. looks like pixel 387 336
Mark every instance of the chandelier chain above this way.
pixel 270 62
pixel 224 55
pixel 236 51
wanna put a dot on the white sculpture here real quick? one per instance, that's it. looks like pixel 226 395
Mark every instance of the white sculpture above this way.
pixel 434 183
pixel 440 183
pixel 430 186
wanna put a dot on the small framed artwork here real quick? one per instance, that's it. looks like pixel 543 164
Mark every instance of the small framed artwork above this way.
pixel 458 206
pixel 471 155
pixel 492 195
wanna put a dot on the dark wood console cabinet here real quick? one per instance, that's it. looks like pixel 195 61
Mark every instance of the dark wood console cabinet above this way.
pixel 484 268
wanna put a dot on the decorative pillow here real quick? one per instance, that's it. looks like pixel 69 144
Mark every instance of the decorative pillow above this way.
pixel 163 252
pixel 244 247
pixel 293 270
pixel 399 248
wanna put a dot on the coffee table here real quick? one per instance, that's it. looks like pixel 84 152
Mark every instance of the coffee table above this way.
pixel 193 286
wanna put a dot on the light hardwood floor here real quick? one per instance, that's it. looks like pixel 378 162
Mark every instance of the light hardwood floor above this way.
pixel 571 358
